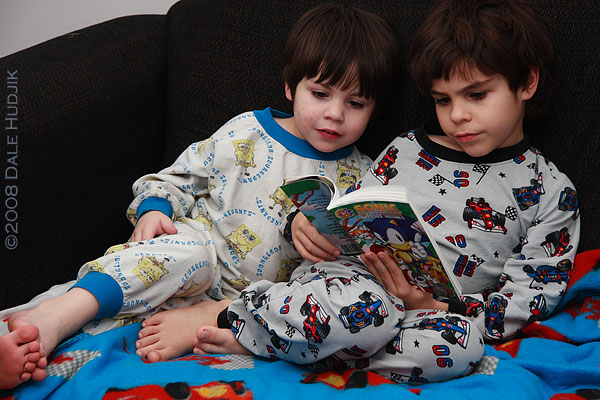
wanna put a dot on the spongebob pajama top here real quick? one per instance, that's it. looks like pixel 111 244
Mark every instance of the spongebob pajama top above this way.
pixel 507 225
pixel 223 194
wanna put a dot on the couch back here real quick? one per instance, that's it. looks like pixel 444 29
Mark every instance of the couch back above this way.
pixel 226 57
pixel 106 104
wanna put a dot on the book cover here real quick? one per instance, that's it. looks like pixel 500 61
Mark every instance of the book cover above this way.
pixel 378 218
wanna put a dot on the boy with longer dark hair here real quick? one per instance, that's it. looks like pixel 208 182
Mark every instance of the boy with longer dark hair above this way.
pixel 213 221
pixel 506 218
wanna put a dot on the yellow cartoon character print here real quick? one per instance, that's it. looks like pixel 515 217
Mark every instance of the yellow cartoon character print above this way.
pixel 204 218
pixel 95 266
pixel 126 319
pixel 131 215
pixel 286 267
pixel 190 289
pixel 347 175
pixel 238 284
pixel 244 153
pixel 281 199
pixel 117 247
pixel 150 270
pixel 200 146
pixel 242 240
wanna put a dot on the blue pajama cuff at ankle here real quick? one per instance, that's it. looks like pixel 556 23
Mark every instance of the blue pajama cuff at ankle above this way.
pixel 106 290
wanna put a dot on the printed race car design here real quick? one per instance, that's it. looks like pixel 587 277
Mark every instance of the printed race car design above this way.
pixel 454 330
pixel 480 215
pixel 316 325
pixel 528 196
pixel 181 390
pixel 494 316
pixel 371 310
pixel 537 306
pixel 557 243
pixel 384 170
pixel 545 274
pixel 568 201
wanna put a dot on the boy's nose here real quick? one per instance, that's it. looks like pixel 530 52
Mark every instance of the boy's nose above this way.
pixel 459 113
pixel 334 111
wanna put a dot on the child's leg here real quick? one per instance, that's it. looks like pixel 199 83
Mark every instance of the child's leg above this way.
pixel 432 346
pixel 330 308
pixel 152 271
pixel 35 333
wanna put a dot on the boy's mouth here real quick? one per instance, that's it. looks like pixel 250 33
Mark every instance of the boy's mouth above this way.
pixel 466 136
pixel 328 133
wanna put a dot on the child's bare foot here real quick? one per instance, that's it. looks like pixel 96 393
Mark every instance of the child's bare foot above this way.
pixel 21 357
pixel 213 340
pixel 169 334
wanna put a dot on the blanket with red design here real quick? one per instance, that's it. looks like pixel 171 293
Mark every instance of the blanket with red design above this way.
pixel 556 359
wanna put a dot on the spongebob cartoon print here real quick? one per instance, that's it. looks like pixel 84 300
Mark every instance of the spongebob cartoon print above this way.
pixel 95 266
pixel 286 267
pixel 117 247
pixel 201 145
pixel 347 175
pixel 280 199
pixel 239 283
pixel 244 153
pixel 150 270
pixel 242 240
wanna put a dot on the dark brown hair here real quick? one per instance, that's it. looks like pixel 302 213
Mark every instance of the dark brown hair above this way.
pixel 506 37
pixel 345 47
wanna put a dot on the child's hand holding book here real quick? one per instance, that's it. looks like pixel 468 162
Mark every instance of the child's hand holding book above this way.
pixel 392 278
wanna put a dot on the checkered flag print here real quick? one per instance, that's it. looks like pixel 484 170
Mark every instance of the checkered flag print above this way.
pixel 67 364
pixel 482 169
pixel 477 260
pixel 313 349
pixel 511 213
pixel 234 362
pixel 437 180
pixel 290 330
pixel 486 366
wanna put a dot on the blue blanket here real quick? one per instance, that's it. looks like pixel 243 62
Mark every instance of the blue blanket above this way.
pixel 555 359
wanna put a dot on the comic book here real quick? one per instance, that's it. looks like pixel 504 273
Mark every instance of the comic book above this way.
pixel 377 218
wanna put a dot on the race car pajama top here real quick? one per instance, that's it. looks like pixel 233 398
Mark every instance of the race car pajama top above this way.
pixel 507 226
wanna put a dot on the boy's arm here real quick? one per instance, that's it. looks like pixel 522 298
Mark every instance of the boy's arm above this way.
pixel 534 280
pixel 174 190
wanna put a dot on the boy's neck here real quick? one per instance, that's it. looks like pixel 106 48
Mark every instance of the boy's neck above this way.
pixel 289 125
pixel 433 140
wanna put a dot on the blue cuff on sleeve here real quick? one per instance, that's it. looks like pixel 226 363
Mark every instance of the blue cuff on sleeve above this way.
pixel 106 290
pixel 155 204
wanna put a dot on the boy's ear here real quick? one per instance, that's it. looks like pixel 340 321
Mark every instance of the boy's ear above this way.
pixel 528 91
pixel 288 92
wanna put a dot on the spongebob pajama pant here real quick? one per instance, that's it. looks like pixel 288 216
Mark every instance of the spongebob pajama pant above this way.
pixel 125 279
pixel 337 315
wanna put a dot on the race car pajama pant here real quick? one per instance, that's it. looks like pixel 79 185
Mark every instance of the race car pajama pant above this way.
pixel 337 315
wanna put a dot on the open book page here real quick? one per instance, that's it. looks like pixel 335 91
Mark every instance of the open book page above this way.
pixel 382 219
pixel 312 195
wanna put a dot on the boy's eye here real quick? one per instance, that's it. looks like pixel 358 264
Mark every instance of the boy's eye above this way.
pixel 478 95
pixel 442 101
pixel 355 104
pixel 319 94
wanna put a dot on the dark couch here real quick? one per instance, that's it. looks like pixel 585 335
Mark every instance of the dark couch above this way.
pixel 97 108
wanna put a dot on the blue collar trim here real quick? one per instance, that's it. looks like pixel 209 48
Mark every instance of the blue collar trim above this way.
pixel 292 143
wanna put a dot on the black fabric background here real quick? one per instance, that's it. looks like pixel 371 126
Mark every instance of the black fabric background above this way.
pixel 102 106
